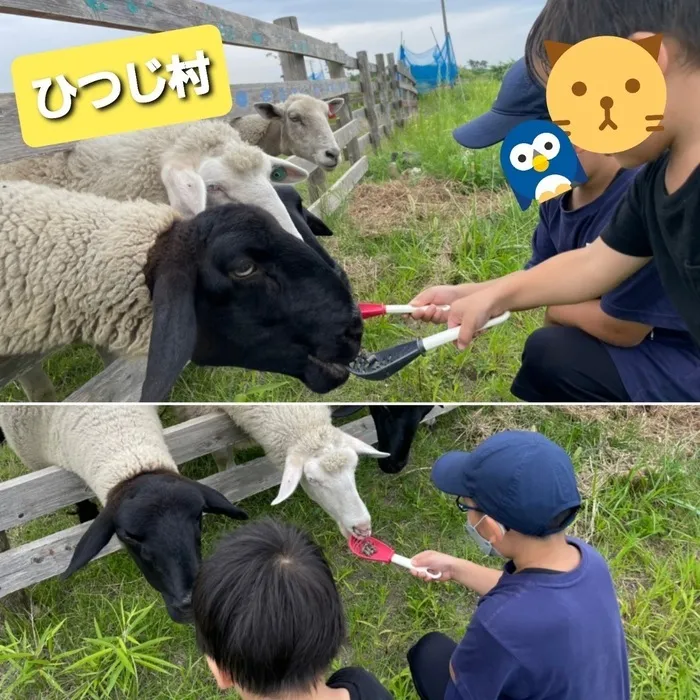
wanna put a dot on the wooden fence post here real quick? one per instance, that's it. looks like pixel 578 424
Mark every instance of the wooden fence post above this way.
pixel 382 84
pixel 368 96
pixel 394 89
pixel 294 68
pixel 352 150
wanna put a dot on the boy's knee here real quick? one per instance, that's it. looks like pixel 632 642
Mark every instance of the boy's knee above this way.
pixel 545 352
pixel 428 647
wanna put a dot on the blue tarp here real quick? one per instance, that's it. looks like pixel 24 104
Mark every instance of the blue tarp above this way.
pixel 437 66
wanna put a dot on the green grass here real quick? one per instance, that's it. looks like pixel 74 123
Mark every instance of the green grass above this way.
pixel 638 470
pixel 481 235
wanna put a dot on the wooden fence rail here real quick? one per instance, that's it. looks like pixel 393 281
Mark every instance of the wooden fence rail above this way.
pixel 31 496
pixel 385 90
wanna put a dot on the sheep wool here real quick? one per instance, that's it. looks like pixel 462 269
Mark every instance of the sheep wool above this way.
pixel 72 269
pixel 281 427
pixel 128 166
pixel 103 445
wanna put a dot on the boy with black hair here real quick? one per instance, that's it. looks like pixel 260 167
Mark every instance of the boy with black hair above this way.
pixel 659 217
pixel 547 626
pixel 629 345
pixel 270 621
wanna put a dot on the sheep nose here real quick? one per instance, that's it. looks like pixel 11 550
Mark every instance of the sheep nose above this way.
pixel 362 529
pixel 332 153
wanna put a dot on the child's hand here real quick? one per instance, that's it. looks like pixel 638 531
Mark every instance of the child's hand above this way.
pixel 442 295
pixel 472 313
pixel 435 561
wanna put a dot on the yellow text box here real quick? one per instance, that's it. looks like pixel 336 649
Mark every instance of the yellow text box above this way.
pixel 119 86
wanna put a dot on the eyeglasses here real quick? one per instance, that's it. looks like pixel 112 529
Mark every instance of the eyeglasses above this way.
pixel 463 506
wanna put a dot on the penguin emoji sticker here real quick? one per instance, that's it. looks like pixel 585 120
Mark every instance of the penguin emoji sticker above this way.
pixel 540 162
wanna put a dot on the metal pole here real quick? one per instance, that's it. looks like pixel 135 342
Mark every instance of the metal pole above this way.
pixel 444 19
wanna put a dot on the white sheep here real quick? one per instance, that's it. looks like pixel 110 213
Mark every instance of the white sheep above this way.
pixel 226 288
pixel 173 164
pixel 298 126
pixel 121 455
pixel 302 442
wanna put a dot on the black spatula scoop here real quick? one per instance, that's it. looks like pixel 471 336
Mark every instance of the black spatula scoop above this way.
pixel 385 363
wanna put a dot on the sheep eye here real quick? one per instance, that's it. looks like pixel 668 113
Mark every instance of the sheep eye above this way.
pixel 244 270
pixel 295 118
pixel 278 174
pixel 132 539
pixel 213 188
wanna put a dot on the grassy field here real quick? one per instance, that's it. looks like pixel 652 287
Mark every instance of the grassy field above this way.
pixel 455 222
pixel 638 470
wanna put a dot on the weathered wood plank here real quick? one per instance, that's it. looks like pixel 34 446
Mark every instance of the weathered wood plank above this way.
pixel 38 493
pixel 368 94
pixel 384 102
pixel 164 15
pixel 13 367
pixel 365 143
pixel 245 95
pixel 359 113
pixel 402 68
pixel 395 93
pixel 120 382
pixel 351 150
pixel 407 86
pixel 332 199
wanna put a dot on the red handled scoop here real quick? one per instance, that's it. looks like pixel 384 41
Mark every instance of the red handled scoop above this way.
pixel 374 550
pixel 370 309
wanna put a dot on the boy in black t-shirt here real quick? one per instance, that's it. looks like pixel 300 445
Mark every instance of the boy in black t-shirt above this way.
pixel 270 621
pixel 658 218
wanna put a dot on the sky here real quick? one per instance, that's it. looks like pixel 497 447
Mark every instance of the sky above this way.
pixel 490 30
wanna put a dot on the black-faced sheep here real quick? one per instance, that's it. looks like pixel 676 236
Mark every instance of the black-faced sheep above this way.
pixel 226 288
pixel 120 453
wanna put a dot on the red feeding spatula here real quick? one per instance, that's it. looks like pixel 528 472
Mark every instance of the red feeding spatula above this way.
pixel 374 550
pixel 370 309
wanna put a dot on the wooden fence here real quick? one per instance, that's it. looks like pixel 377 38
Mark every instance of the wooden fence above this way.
pixel 42 493
pixel 385 96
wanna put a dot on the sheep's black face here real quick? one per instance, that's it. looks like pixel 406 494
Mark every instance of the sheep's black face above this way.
pixel 270 302
pixel 396 429
pixel 158 518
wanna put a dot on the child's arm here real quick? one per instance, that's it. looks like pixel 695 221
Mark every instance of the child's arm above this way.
pixel 568 278
pixel 479 579
pixel 590 318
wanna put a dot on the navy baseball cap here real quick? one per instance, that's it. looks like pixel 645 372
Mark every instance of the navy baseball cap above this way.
pixel 521 479
pixel 519 100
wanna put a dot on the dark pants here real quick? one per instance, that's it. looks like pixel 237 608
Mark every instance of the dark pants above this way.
pixel 429 661
pixel 562 364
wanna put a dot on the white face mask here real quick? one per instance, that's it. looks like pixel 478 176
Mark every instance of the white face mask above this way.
pixel 484 545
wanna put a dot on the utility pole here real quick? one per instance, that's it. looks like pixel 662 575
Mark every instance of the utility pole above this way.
pixel 444 19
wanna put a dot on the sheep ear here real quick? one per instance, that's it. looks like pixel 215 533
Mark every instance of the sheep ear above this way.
pixel 318 228
pixel 293 471
pixel 268 111
pixel 218 504
pixel 334 106
pixel 362 448
pixel 284 172
pixel 186 190
pixel 92 542
pixel 174 331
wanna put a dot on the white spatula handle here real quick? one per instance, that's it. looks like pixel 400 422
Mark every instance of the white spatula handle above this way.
pixel 406 563
pixel 449 336
pixel 408 309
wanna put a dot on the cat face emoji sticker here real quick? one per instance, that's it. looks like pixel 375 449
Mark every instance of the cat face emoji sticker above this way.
pixel 539 162
pixel 607 93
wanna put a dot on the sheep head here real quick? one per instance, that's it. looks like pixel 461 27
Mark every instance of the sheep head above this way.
pixel 210 165
pixel 306 132
pixel 324 463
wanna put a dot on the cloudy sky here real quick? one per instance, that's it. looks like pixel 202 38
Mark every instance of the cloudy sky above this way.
pixel 491 30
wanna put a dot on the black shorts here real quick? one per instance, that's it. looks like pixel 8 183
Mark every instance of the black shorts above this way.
pixel 563 364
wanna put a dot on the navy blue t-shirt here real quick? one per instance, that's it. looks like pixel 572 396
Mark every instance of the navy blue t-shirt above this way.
pixel 545 635
pixel 665 366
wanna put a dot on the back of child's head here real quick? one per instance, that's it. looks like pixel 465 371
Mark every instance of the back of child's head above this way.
pixel 572 21
pixel 267 610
